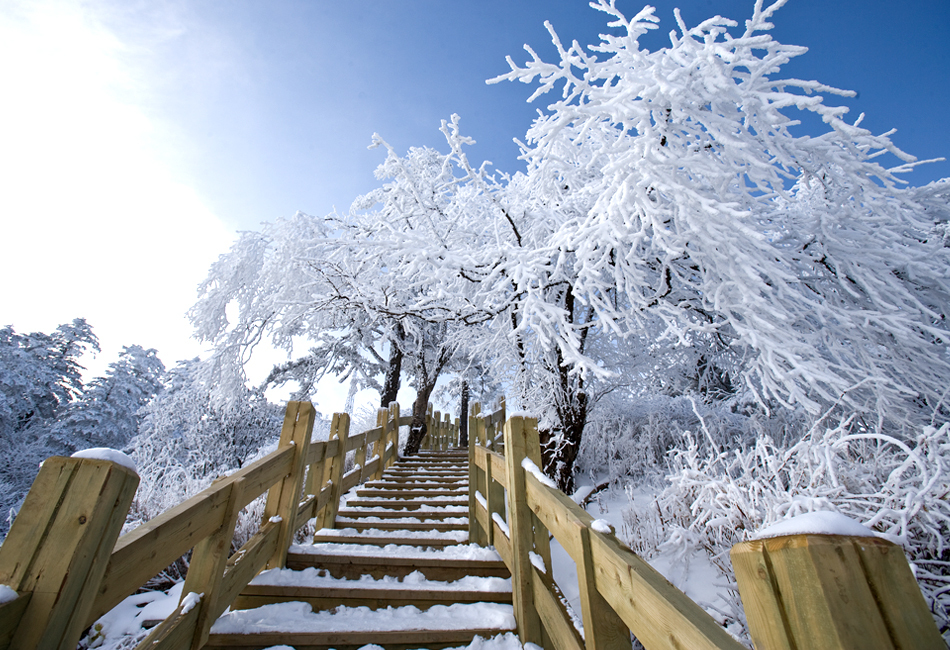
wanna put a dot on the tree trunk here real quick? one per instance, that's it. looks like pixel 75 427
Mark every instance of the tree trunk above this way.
pixel 393 372
pixel 418 430
pixel 463 417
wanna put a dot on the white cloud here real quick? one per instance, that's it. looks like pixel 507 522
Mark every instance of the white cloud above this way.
pixel 93 223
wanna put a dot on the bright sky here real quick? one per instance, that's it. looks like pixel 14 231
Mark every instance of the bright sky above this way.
pixel 137 136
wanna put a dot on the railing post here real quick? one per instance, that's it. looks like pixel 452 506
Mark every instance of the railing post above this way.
pixel 475 534
pixel 359 459
pixel 831 592
pixel 283 498
pixel 603 627
pixel 429 431
pixel 208 560
pixel 457 433
pixel 382 420
pixel 60 543
pixel 333 470
pixel 394 413
pixel 518 446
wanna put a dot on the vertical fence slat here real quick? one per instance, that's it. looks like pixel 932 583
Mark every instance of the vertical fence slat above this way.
pixel 475 533
pixel 522 533
pixel 394 414
pixel 382 420
pixel 206 569
pixel 282 499
pixel 603 628
pixel 339 430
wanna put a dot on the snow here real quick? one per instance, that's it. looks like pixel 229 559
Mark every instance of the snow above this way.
pixel 296 617
pixel 421 509
pixel 7 594
pixel 127 619
pixel 319 578
pixel 537 561
pixel 457 535
pixel 535 471
pixel 402 520
pixel 602 526
pixel 189 601
pixel 582 493
pixel 481 499
pixel 498 519
pixel 506 641
pixel 816 523
pixel 105 453
pixel 276 519
pixel 472 552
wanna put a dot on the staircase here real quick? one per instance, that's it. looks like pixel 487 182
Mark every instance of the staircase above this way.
pixel 396 571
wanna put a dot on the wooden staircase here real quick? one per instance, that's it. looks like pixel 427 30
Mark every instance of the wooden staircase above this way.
pixel 396 570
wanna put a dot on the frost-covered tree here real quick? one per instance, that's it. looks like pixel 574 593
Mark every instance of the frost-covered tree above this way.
pixel 39 378
pixel 186 427
pixel 273 285
pixel 108 412
pixel 796 265
pixel 40 374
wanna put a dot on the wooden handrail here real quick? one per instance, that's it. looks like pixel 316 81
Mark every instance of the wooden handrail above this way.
pixel 799 591
pixel 204 523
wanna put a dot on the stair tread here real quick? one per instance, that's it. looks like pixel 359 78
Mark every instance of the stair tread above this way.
pixel 297 617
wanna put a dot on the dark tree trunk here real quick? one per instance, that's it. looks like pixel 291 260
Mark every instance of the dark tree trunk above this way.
pixel 463 417
pixel 560 445
pixel 417 430
pixel 393 372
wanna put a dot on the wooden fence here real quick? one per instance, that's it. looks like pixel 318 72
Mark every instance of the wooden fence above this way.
pixel 799 592
pixel 66 561
pixel 64 557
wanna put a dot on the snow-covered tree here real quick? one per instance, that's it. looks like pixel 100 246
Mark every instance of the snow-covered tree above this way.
pixel 796 265
pixel 39 378
pixel 40 374
pixel 108 412
pixel 186 427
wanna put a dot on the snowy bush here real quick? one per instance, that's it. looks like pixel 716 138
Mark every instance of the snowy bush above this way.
pixel 718 497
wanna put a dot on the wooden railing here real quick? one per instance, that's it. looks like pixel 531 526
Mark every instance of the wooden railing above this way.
pixel 64 557
pixel 799 591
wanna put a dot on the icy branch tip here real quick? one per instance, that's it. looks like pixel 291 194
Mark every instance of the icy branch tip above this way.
pixel 104 453
pixel 816 523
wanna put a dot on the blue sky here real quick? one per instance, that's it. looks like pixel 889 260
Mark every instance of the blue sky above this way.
pixel 138 136
pixel 277 106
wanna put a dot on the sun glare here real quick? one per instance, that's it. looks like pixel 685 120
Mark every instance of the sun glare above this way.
pixel 95 225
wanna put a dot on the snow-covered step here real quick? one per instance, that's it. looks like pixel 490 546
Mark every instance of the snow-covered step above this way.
pixel 417 482
pixel 403 523
pixel 380 537
pixel 372 493
pixel 355 560
pixel 323 592
pixel 411 472
pixel 421 513
pixel 420 478
pixel 408 504
pixel 297 625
